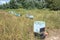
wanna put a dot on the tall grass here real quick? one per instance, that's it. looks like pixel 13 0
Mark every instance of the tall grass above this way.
pixel 21 28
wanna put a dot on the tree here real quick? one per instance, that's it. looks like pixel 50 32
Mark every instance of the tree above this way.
pixel 53 4
pixel 13 5
pixel 1 6
pixel 29 4
pixel 56 4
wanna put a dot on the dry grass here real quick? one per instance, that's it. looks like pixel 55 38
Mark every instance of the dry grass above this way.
pixel 21 28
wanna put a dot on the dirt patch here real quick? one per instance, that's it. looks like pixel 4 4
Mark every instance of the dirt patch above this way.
pixel 53 35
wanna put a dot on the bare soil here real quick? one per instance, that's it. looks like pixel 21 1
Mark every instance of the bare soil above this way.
pixel 53 35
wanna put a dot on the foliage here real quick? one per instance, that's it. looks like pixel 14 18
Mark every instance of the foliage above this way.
pixel 30 4
pixel 53 4
pixel 4 6
pixel 12 4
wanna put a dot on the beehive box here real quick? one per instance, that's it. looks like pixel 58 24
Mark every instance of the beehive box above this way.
pixel 29 16
pixel 38 25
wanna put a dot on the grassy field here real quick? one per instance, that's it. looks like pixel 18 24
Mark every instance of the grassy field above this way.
pixel 21 28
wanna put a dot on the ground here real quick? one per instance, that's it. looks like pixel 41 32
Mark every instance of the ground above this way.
pixel 21 28
pixel 53 35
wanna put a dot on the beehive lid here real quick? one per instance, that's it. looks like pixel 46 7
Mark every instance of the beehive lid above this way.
pixel 38 25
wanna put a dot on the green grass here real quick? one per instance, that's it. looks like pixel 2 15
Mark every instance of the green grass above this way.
pixel 21 28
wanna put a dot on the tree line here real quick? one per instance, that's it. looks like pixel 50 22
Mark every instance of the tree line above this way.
pixel 30 4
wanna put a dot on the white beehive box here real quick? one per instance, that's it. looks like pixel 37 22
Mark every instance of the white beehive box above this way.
pixel 12 12
pixel 17 14
pixel 29 16
pixel 38 25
